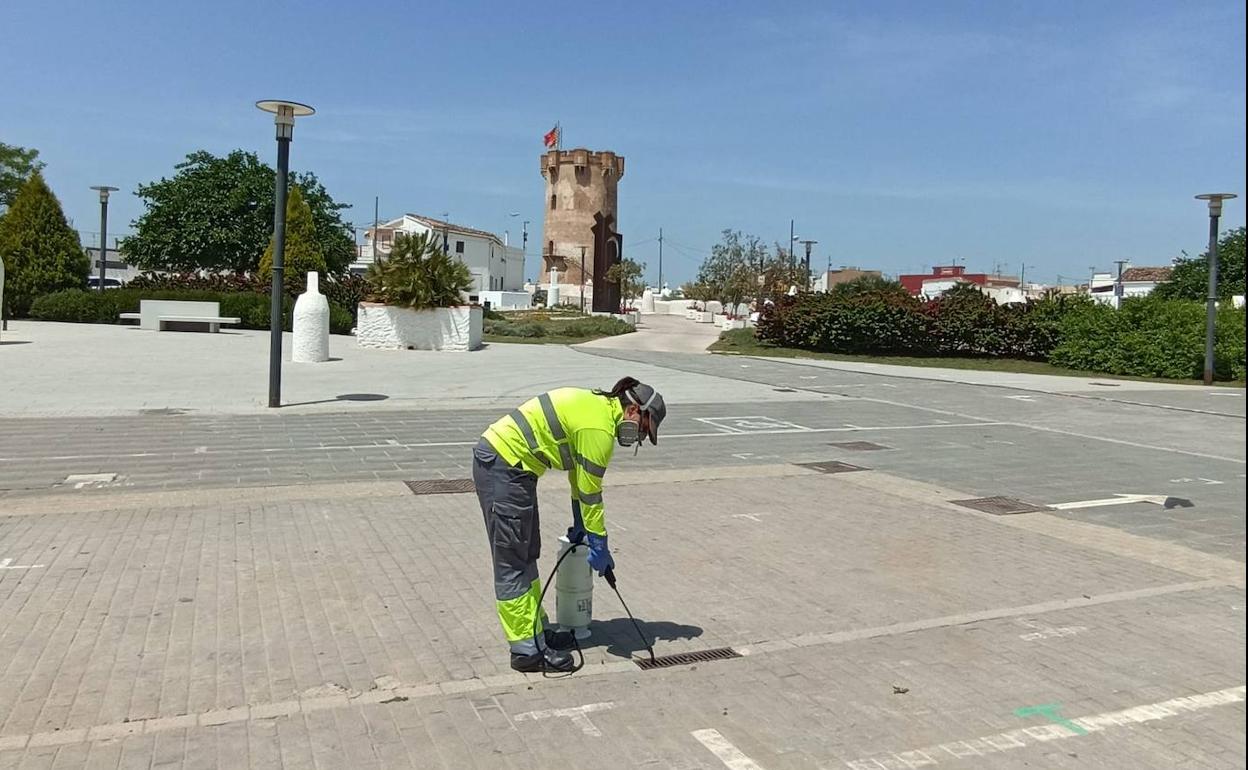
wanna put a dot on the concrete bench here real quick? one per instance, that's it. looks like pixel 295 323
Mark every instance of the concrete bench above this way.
pixel 165 314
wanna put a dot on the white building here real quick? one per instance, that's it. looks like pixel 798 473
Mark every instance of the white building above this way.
pixel 1136 282
pixel 496 267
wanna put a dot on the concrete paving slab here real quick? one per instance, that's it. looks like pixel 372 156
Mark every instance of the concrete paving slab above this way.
pixel 92 370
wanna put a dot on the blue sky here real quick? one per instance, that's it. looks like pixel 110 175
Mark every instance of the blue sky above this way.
pixel 1062 135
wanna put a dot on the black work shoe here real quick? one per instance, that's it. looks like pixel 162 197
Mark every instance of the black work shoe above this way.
pixel 558 640
pixel 547 660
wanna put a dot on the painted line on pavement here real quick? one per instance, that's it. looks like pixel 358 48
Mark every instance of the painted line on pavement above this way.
pixel 435 444
pixel 1061 729
pixel 730 755
pixel 1045 429
pixel 578 715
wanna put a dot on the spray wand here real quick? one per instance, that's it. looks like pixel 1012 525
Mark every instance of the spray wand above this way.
pixel 609 574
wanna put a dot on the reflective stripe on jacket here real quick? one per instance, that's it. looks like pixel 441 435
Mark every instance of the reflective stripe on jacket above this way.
pixel 571 429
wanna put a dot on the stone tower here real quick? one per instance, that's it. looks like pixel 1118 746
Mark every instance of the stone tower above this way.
pixel 581 214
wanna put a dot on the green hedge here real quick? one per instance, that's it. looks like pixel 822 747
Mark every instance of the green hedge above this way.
pixel 593 326
pixel 1149 337
pixel 80 306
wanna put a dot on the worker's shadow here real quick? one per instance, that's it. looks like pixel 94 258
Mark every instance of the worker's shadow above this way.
pixel 620 638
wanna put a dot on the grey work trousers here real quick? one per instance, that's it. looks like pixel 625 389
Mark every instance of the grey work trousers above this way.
pixel 508 497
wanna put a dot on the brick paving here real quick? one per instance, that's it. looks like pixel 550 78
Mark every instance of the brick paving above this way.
pixel 360 633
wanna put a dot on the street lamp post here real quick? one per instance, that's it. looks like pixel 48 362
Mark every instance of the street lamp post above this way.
pixel 1211 303
pixel 284 114
pixel 104 191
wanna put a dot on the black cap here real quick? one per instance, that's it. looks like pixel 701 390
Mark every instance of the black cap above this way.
pixel 649 401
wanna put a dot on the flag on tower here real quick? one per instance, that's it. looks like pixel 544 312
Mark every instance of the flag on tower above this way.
pixel 552 137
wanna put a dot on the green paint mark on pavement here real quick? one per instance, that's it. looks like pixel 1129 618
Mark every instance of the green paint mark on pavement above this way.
pixel 1049 712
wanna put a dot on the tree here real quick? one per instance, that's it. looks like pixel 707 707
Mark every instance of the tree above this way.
pixel 216 214
pixel 1190 279
pixel 731 271
pixel 41 252
pixel 16 166
pixel 627 274
pixel 302 252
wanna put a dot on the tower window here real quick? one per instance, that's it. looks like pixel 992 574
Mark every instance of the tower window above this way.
pixel 554 200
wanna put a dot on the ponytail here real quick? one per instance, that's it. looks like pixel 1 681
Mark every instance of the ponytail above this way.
pixel 625 384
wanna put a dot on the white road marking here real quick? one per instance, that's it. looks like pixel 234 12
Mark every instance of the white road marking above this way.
pixel 578 715
pixel 4 564
pixel 80 480
pixel 441 444
pixel 1016 739
pixel 1060 432
pixel 1206 482
pixel 750 516
pixel 730 755
pixel 1115 500
pixel 1022 398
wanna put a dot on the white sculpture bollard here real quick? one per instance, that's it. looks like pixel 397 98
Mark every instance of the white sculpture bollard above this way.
pixel 3 321
pixel 311 324
pixel 647 302
pixel 552 294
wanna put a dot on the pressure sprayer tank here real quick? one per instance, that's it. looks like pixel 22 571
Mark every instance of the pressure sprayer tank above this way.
pixel 574 590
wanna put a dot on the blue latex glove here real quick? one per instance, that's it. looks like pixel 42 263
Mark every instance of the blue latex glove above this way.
pixel 599 555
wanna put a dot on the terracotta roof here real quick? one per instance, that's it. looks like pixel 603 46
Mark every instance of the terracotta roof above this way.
pixel 1155 274
pixel 438 224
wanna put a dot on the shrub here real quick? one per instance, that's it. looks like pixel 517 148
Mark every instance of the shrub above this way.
pixel 419 274
pixel 80 306
pixel 964 322
pixel 1150 337
pixel 345 291
pixel 592 326
pixel 528 329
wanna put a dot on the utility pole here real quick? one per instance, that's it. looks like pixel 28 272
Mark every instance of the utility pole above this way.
pixel 792 237
pixel 1118 282
pixel 376 224
pixel 660 262
pixel 1091 278
pixel 446 230
pixel 582 279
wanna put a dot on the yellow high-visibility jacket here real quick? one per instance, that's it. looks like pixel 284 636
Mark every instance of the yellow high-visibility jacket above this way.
pixel 571 429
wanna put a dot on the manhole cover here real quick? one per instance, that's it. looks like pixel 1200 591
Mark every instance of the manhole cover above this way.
pixel 784 390
pixel 440 486
pixel 1000 506
pixel 1105 384
pixel 858 446
pixel 165 411
pixel 832 466
pixel 687 658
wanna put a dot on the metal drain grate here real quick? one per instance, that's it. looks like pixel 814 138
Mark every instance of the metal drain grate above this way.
pixel 833 466
pixel 440 486
pixel 1000 506
pixel 687 658
pixel 859 446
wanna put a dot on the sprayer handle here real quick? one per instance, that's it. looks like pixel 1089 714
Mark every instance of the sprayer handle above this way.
pixel 610 576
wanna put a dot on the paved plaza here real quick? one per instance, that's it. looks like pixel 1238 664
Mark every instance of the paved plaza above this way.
pixel 190 580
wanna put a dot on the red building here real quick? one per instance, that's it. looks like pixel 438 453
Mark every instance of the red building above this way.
pixel 914 281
